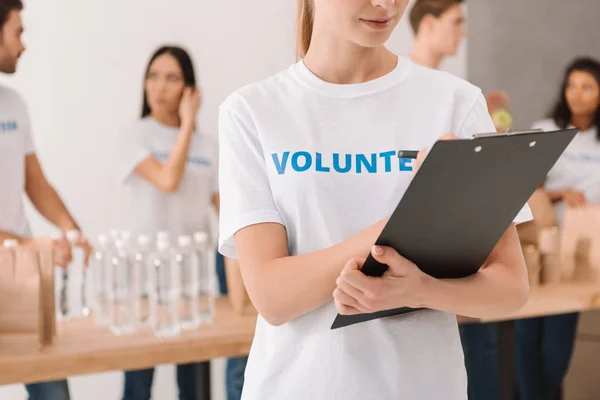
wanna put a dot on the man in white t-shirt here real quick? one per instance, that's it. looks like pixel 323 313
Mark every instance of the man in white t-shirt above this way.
pixel 439 28
pixel 20 172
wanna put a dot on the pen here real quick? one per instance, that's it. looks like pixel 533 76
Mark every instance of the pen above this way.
pixel 413 153
pixel 408 154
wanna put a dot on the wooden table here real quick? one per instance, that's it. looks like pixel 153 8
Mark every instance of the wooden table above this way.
pixel 544 300
pixel 82 347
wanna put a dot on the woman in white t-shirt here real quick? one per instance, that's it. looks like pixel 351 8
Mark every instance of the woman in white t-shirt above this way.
pixel 545 345
pixel 169 171
pixel 301 155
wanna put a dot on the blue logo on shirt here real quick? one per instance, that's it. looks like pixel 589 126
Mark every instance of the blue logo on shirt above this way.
pixel 191 160
pixel 587 158
pixel 8 126
pixel 302 161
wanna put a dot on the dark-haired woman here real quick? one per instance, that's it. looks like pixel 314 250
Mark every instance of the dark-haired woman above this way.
pixel 545 345
pixel 169 170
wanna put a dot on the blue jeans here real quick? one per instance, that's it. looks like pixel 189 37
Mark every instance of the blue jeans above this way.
pixel 544 350
pixel 138 384
pixel 480 345
pixel 55 390
pixel 235 366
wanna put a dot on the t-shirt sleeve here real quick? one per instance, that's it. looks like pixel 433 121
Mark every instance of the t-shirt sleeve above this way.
pixel 25 129
pixel 244 187
pixel 130 151
pixel 478 120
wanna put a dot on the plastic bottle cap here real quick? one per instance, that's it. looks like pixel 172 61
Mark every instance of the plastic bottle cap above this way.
pixel 102 239
pixel 143 240
pixel 10 243
pixel 126 235
pixel 200 237
pixel 185 241
pixel 73 235
pixel 162 245
pixel 163 235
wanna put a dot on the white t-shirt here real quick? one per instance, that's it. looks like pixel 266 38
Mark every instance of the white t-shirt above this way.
pixel 578 168
pixel 308 154
pixel 150 209
pixel 15 144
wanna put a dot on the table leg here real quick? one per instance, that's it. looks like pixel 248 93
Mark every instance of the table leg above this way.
pixel 203 381
pixel 507 359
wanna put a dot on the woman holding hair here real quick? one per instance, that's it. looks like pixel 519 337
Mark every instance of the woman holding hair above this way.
pixel 545 344
pixel 169 170
pixel 301 155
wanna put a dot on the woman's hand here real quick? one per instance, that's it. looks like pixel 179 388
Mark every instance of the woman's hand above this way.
pixel 423 153
pixel 400 286
pixel 574 198
pixel 189 106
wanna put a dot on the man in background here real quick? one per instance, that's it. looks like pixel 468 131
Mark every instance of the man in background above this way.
pixel 20 172
pixel 439 27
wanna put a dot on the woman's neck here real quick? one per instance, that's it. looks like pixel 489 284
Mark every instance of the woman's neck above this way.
pixel 166 118
pixel 424 55
pixel 582 122
pixel 340 61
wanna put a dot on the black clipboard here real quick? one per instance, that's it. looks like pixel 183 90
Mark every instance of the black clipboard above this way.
pixel 461 201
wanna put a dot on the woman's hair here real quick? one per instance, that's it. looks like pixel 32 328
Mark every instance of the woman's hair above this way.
pixel 185 63
pixel 306 19
pixel 561 113
pixel 422 8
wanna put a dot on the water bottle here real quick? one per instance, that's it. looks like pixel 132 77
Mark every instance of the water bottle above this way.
pixel 99 268
pixel 77 278
pixel 187 262
pixel 126 236
pixel 115 234
pixel 207 278
pixel 163 236
pixel 122 314
pixel 61 287
pixel 165 293
pixel 141 260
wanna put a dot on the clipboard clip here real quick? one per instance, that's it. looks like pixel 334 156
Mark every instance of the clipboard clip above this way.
pixel 507 133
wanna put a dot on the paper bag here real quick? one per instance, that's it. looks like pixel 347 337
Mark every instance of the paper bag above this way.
pixel 582 224
pixel 25 283
pixel 543 217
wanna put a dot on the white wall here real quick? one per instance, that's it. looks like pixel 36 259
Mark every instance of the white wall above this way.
pixel 82 76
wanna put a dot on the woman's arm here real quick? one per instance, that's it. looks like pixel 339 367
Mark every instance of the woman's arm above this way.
pixel 167 176
pixel 284 287
pixel 500 288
